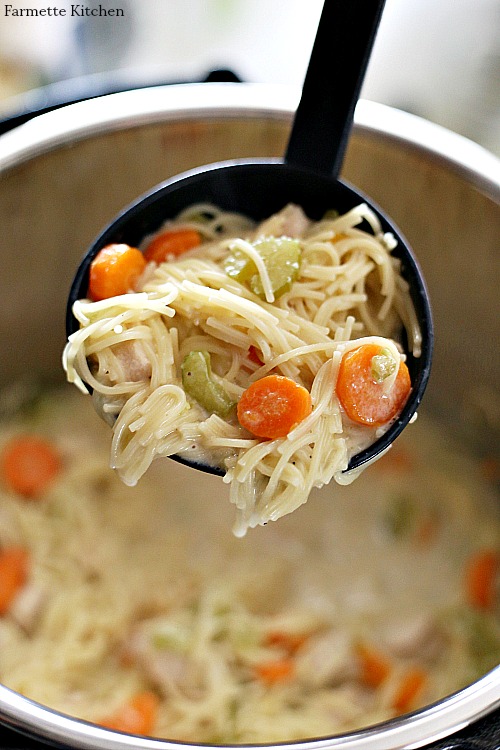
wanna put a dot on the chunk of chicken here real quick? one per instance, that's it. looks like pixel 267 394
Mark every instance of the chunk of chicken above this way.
pixel 326 659
pixel 28 606
pixel 414 636
pixel 171 671
pixel 133 360
pixel 290 222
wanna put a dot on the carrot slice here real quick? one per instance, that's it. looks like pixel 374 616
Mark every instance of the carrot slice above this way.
pixel 171 242
pixel 137 716
pixel 480 578
pixel 114 271
pixel 29 464
pixel 290 642
pixel 375 667
pixel 271 672
pixel 362 397
pixel 13 574
pixel 411 685
pixel 272 406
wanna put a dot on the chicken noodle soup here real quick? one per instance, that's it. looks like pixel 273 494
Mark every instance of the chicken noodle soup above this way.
pixel 271 351
pixel 135 608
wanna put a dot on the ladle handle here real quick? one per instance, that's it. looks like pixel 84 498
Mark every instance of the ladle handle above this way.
pixel 340 56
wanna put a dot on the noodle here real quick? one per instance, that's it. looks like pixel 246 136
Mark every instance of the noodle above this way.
pixel 130 348
pixel 143 588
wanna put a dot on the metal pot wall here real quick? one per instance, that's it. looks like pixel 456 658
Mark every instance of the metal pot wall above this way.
pixel 63 175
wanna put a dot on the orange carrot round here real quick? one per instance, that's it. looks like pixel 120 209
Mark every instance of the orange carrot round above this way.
pixel 13 574
pixel 362 397
pixel 28 464
pixel 114 271
pixel 411 685
pixel 272 406
pixel 137 716
pixel 375 666
pixel 171 242
pixel 480 578
pixel 271 672
pixel 290 642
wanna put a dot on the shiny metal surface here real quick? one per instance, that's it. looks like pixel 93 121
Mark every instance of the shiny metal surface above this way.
pixel 412 731
pixel 197 101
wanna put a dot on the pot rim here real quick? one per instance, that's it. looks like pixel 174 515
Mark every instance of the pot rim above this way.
pixel 418 729
pixel 156 104
pixel 82 120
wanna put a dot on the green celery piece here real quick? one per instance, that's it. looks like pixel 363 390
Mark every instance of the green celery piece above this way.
pixel 383 366
pixel 480 633
pixel 281 256
pixel 199 383
pixel 171 637
pixel 400 516
pixel 331 214
pixel 239 266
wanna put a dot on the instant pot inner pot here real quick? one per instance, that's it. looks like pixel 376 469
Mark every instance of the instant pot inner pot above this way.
pixel 52 207
pixel 53 204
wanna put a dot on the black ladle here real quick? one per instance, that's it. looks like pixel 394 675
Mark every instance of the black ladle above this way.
pixel 307 176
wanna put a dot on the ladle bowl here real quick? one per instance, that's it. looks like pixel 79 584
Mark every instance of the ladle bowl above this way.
pixel 259 188
pixel 307 176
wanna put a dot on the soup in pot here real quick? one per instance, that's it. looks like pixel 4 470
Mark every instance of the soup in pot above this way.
pixel 137 609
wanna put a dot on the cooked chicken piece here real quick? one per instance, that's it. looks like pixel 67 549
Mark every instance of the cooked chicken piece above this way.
pixel 326 659
pixel 28 605
pixel 415 636
pixel 290 222
pixel 133 360
pixel 346 705
pixel 170 670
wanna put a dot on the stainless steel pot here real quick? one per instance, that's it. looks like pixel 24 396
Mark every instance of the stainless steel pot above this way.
pixel 63 175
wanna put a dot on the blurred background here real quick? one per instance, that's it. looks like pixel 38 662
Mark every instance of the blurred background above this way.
pixel 439 59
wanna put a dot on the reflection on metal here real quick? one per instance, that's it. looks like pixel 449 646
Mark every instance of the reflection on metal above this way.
pixel 197 101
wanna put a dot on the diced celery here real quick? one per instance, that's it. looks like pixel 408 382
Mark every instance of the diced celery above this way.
pixel 238 265
pixel 281 256
pixel 480 633
pixel 383 366
pixel 199 383
pixel 400 516
pixel 331 214
pixel 171 637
